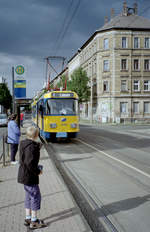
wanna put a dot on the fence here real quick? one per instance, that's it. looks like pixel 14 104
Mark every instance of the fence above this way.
pixel 4 149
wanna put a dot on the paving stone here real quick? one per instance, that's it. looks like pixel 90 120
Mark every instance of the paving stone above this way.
pixel 58 208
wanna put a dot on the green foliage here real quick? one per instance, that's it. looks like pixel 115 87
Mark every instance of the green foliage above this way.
pixel 61 83
pixel 27 108
pixel 79 84
pixel 5 96
pixel 51 86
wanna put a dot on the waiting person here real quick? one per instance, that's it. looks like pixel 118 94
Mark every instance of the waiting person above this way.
pixel 13 137
pixel 28 174
pixel 21 118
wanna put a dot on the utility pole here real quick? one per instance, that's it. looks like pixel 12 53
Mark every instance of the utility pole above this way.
pixel 13 95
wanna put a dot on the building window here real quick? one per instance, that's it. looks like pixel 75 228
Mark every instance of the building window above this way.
pixel 124 42
pixel 136 42
pixel 147 43
pixel 146 85
pixel 106 65
pixel 135 107
pixel 146 107
pixel 136 85
pixel 146 65
pixel 123 85
pixel 123 64
pixel 136 65
pixel 123 107
pixel 106 44
pixel 105 86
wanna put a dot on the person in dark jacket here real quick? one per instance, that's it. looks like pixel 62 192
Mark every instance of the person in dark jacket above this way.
pixel 28 174
pixel 13 137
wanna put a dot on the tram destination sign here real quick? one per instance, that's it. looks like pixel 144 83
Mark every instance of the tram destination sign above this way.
pixel 62 94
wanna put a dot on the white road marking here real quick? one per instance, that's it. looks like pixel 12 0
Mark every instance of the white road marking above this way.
pixel 118 160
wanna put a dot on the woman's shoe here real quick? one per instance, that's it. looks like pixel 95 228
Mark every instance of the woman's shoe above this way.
pixel 27 222
pixel 37 224
pixel 14 162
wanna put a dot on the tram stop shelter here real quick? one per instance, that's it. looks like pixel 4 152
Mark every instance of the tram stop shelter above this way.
pixel 18 103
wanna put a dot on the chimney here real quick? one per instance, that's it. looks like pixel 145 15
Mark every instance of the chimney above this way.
pixel 125 8
pixel 112 13
pixel 135 6
pixel 105 20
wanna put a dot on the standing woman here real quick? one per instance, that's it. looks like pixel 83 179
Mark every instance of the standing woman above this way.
pixel 13 137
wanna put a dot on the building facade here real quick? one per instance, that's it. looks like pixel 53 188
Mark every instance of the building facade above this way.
pixel 117 61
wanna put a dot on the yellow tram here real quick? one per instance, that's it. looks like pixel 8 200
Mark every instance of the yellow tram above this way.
pixel 56 114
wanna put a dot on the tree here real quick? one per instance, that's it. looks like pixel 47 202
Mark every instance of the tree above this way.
pixel 62 82
pixel 79 84
pixel 5 96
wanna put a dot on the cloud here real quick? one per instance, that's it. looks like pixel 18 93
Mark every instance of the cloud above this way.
pixel 33 29
pixel 34 71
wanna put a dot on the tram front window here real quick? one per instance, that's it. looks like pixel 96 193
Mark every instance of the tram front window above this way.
pixel 62 107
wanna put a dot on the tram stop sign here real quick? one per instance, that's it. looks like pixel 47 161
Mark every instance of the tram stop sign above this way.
pixel 19 83
pixel 19 70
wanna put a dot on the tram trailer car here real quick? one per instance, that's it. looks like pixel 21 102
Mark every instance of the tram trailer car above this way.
pixel 56 115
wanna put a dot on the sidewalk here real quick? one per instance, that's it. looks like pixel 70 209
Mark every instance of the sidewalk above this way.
pixel 58 208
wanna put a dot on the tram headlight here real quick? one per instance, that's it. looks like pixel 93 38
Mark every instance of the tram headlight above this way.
pixel 73 125
pixel 53 125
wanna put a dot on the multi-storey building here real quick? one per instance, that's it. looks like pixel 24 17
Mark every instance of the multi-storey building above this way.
pixel 117 60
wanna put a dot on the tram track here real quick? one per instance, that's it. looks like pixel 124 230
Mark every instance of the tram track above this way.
pixel 98 213
pixel 109 178
pixel 91 207
pixel 135 179
pixel 116 159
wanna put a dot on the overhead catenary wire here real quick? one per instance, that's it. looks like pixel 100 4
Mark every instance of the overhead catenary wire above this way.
pixel 64 23
pixel 67 26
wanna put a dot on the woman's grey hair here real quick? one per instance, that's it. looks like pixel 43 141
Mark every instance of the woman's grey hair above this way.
pixel 32 132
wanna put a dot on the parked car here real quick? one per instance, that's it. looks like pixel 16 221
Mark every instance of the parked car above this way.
pixel 3 120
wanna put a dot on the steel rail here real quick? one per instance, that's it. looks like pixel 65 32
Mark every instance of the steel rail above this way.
pixel 116 159
pixel 91 208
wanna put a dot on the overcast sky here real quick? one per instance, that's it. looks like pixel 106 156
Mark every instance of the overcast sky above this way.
pixel 31 30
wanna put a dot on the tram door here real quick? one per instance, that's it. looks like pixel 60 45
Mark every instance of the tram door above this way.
pixel 40 115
